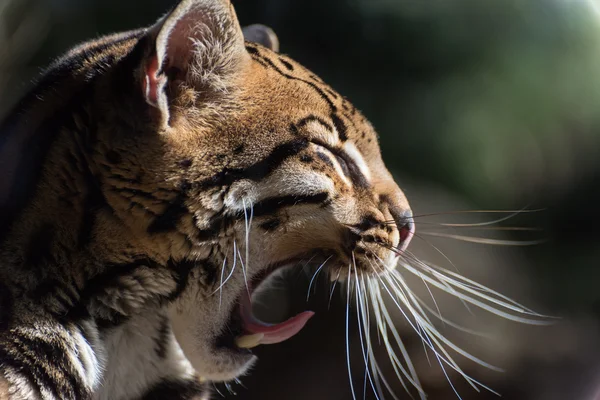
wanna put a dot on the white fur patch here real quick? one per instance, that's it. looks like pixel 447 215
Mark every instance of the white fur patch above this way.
pixel 318 131
pixel 133 365
pixel 354 153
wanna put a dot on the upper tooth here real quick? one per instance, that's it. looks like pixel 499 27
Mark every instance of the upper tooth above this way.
pixel 249 341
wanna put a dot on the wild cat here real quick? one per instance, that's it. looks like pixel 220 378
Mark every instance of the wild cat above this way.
pixel 152 180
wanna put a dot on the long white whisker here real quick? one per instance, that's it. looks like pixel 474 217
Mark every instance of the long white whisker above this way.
pixel 487 223
pixel 230 273
pixel 333 288
pixel 314 276
pixel 375 370
pixel 239 254
pixel 220 289
pixel 379 306
pixel 481 304
pixel 477 286
pixel 442 280
pixel 496 242
pixel 248 225
pixel 348 335
pixel 427 338
pixel 359 313
pixel 426 324
pixel 397 365
pixel 424 329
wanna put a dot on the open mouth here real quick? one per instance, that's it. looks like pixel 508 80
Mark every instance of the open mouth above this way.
pixel 245 330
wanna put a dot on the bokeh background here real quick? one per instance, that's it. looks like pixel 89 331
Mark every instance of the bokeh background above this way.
pixel 480 105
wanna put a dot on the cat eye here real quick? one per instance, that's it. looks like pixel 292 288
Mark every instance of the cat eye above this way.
pixel 345 163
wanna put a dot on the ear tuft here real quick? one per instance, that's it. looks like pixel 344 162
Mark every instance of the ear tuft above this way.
pixel 263 35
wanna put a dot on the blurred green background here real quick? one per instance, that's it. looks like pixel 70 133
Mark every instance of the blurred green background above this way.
pixel 479 105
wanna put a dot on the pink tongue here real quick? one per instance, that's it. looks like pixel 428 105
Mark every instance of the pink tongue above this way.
pixel 273 333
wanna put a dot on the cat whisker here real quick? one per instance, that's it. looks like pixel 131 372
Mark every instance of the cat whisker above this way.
pixel 239 254
pixel 479 240
pixel 217 390
pixel 248 226
pixel 348 333
pixel 491 228
pixel 511 212
pixel 220 289
pixel 315 275
pixel 230 273
pixel 397 365
pixel 428 333
pixel 333 287
pixel 486 299
pixel 362 326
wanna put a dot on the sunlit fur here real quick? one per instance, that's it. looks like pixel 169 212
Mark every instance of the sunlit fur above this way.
pixel 150 176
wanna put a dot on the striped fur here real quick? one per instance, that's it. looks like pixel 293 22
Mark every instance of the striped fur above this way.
pixel 127 175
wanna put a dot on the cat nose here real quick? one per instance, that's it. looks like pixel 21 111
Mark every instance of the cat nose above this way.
pixel 405 223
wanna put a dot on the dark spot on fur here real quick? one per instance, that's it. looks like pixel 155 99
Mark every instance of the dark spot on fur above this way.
pixel 185 186
pixel 306 158
pixel 286 64
pixel 325 159
pixel 167 221
pixel 183 270
pixel 239 149
pixel 369 239
pixel 251 50
pixel 211 273
pixel 271 224
pixel 185 163
pixel 340 126
pixel 162 338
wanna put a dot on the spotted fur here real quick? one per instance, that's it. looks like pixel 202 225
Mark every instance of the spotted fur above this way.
pixel 128 172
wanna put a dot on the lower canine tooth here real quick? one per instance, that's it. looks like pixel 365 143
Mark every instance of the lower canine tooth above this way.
pixel 249 341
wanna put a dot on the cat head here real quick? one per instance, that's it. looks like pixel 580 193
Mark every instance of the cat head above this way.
pixel 257 164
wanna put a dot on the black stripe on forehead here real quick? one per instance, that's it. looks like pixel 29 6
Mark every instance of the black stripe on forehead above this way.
pixel 273 204
pixel 257 171
pixel 325 93
pixel 316 119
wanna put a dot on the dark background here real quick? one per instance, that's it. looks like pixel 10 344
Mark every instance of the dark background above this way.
pixel 479 105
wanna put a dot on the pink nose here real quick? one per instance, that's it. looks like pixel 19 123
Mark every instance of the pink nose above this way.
pixel 406 227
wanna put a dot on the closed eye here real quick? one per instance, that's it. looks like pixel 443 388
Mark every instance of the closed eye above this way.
pixel 348 166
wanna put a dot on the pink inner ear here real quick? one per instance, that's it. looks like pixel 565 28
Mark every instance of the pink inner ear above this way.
pixel 152 83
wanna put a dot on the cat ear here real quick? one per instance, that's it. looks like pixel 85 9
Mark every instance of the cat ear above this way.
pixel 200 43
pixel 263 35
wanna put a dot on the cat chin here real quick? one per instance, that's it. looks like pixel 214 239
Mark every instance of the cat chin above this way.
pixel 214 359
pixel 222 364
